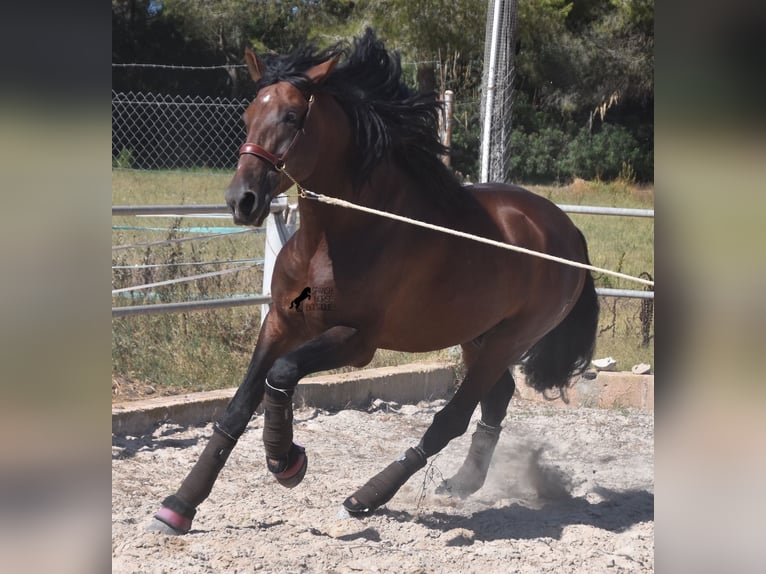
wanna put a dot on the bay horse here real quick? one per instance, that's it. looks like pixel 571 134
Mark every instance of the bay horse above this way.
pixel 341 122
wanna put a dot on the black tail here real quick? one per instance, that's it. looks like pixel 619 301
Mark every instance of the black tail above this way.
pixel 567 350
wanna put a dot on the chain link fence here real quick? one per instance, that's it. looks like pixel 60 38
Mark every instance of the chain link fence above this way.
pixel 155 131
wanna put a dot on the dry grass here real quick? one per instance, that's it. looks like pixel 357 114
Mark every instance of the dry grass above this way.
pixel 201 350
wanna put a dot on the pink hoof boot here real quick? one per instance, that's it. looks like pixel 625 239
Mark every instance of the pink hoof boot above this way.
pixel 296 463
pixel 180 524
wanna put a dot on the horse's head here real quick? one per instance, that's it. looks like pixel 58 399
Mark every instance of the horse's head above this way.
pixel 282 133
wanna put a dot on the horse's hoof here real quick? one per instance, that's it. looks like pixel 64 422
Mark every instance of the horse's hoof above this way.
pixel 163 528
pixel 170 522
pixel 356 508
pixel 450 487
pixel 293 475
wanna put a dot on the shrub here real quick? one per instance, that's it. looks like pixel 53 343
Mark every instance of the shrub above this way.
pixel 603 154
pixel 551 155
pixel 124 159
pixel 536 157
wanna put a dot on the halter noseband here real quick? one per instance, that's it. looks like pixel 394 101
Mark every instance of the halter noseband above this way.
pixel 277 161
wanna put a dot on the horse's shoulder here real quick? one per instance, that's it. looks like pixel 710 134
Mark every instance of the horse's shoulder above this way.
pixel 493 195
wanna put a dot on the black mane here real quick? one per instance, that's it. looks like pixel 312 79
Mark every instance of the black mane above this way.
pixel 387 118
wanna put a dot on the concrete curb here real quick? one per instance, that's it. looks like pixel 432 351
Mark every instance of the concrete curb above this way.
pixel 406 384
pixel 609 390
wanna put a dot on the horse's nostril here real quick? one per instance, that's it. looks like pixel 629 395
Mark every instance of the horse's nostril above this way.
pixel 248 203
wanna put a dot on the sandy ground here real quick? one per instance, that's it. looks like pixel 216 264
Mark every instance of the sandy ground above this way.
pixel 569 490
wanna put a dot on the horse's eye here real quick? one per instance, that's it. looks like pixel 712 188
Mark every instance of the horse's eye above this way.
pixel 291 118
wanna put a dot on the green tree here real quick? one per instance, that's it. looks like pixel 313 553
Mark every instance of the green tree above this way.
pixel 225 27
pixel 581 65
pixel 434 33
pixel 585 65
pixel 582 58
pixel 206 33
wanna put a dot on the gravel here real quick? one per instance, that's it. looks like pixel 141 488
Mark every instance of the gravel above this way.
pixel 569 490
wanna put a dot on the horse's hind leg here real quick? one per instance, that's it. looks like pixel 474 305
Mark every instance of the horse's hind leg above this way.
pixel 452 421
pixel 471 475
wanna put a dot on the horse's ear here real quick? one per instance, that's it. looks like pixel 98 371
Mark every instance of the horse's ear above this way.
pixel 254 64
pixel 318 73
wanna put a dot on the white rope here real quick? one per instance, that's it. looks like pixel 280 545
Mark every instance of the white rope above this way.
pixel 343 203
pixel 182 279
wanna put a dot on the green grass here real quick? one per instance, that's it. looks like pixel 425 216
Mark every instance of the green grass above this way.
pixel 201 350
pixel 624 244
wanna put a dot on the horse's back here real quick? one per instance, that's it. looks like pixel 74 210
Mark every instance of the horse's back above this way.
pixel 529 219
pixel 495 195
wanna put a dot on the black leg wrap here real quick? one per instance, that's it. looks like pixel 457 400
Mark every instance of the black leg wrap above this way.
pixel 285 459
pixel 277 428
pixel 473 472
pixel 197 485
pixel 383 486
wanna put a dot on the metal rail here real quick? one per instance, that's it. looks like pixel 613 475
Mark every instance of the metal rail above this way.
pixel 265 300
pixel 167 209
pixel 181 209
pixel 189 306
pixel 630 293
pixel 597 210
pixel 216 209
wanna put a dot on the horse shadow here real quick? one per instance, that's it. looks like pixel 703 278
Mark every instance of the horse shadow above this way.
pixel 124 446
pixel 617 512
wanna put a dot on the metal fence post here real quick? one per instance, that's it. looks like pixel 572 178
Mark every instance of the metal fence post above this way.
pixel 278 231
pixel 446 132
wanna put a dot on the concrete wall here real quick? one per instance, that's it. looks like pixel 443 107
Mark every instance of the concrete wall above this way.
pixel 406 384
pixel 608 390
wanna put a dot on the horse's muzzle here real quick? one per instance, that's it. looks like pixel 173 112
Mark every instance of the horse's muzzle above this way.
pixel 248 208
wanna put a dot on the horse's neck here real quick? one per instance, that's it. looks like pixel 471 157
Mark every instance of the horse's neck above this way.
pixel 389 189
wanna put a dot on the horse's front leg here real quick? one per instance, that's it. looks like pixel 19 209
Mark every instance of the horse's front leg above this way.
pixel 337 347
pixel 177 511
